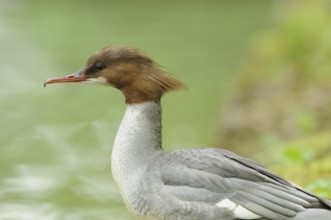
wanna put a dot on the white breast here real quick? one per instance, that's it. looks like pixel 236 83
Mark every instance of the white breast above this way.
pixel 137 141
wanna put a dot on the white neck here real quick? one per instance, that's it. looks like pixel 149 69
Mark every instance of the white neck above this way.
pixel 137 141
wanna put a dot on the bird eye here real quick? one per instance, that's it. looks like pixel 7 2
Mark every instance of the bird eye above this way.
pixel 100 66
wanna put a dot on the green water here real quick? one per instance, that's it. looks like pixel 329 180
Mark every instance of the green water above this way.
pixel 55 143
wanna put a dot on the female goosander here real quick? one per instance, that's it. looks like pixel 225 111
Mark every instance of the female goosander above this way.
pixel 193 184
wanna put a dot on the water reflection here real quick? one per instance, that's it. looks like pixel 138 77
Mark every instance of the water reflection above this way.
pixel 75 183
pixel 46 211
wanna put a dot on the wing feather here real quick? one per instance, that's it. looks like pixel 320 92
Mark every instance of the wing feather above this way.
pixel 212 175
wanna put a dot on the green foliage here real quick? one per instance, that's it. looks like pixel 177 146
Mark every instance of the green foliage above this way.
pixel 281 102
pixel 304 160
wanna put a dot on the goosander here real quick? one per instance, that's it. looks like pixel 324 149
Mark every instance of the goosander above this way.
pixel 192 184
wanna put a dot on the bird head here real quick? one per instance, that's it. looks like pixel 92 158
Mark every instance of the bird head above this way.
pixel 127 69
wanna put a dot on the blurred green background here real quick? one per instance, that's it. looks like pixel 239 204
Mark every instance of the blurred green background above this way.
pixel 259 78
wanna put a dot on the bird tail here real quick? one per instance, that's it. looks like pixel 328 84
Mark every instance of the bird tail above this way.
pixel 316 214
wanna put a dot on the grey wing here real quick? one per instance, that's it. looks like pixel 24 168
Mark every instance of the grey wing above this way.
pixel 223 179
